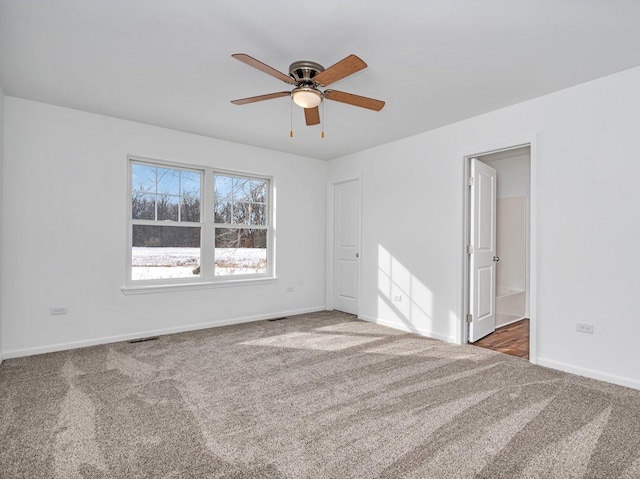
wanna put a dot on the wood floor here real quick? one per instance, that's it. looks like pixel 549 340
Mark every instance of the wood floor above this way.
pixel 512 339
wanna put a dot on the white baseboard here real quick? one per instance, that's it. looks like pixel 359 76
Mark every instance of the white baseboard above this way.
pixel 589 373
pixel 409 329
pixel 50 348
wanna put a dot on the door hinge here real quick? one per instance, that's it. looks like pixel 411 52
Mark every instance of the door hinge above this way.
pixel 469 249
pixel 470 181
pixel 469 318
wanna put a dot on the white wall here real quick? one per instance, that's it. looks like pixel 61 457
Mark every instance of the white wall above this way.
pixel 1 215
pixel 514 171
pixel 588 228
pixel 511 244
pixel 65 214
pixel 511 269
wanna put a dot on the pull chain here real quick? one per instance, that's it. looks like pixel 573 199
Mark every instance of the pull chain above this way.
pixel 322 120
pixel 291 118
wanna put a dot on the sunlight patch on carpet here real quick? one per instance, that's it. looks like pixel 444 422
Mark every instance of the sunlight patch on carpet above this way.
pixel 322 342
pixel 361 327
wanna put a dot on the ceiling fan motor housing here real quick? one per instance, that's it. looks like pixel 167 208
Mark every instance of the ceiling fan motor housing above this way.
pixel 304 71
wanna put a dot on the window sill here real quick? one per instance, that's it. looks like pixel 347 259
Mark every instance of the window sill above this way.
pixel 171 288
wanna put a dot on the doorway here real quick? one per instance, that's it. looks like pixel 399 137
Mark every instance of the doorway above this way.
pixel 499 250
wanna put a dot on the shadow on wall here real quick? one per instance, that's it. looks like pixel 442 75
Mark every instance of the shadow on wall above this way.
pixel 401 295
pixel 405 300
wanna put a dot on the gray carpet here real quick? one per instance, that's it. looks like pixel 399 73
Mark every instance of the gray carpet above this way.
pixel 313 396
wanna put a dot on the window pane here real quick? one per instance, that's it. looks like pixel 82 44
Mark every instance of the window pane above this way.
pixel 249 214
pixel 161 252
pixel 143 207
pixel 224 199
pixel 190 184
pixel 223 185
pixel 222 212
pixel 240 201
pixel 258 214
pixel 168 207
pixel 190 209
pixel 259 191
pixel 168 181
pixel 143 178
pixel 240 251
pixel 241 213
pixel 241 190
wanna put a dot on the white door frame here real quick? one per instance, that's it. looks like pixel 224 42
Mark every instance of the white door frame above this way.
pixel 331 190
pixel 506 144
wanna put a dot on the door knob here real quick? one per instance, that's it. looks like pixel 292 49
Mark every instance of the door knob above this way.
pixel 357 255
pixel 496 258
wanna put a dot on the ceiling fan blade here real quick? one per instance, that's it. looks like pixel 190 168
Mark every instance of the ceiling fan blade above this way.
pixel 252 62
pixel 312 116
pixel 253 99
pixel 355 100
pixel 345 67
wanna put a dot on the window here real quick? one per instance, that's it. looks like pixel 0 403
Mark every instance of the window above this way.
pixel 241 225
pixel 189 225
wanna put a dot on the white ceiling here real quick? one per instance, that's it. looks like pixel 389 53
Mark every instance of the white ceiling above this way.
pixel 168 62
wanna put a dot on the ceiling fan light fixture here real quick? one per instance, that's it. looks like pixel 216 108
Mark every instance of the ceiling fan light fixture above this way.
pixel 307 97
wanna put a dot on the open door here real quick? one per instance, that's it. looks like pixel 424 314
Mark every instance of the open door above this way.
pixel 482 250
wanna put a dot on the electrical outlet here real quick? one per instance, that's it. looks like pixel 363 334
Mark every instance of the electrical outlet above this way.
pixel 59 310
pixel 584 328
pixel 290 289
pixel 397 297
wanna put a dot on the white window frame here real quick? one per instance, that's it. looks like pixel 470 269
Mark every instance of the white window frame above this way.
pixel 207 277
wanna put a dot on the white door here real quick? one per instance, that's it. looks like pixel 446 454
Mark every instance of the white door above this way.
pixel 346 249
pixel 482 251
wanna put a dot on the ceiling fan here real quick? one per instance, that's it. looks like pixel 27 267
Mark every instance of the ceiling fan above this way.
pixel 308 78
